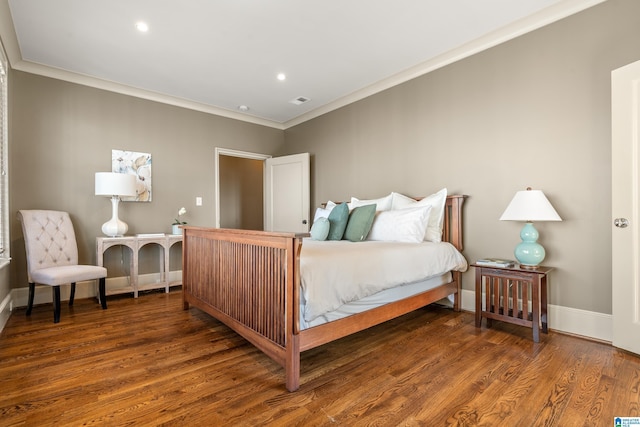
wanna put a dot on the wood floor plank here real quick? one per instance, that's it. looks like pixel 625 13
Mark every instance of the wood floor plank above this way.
pixel 584 404
pixel 626 387
pixel 147 362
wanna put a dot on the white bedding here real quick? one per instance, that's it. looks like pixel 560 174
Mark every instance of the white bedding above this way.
pixel 334 273
pixel 381 298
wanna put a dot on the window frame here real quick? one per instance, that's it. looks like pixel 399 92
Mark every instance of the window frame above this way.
pixel 5 241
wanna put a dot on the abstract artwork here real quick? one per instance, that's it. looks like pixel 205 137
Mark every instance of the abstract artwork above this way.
pixel 138 164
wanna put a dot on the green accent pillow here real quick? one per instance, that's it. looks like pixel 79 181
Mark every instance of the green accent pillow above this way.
pixel 360 222
pixel 338 219
pixel 320 229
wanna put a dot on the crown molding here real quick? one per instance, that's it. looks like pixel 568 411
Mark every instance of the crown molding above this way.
pixel 509 32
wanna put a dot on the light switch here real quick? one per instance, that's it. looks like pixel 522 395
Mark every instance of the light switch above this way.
pixel 198 201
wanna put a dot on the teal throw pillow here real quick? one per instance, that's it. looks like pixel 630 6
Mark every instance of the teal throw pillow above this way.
pixel 320 229
pixel 338 219
pixel 360 222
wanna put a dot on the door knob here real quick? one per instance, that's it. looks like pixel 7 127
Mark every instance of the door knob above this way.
pixel 304 221
pixel 621 222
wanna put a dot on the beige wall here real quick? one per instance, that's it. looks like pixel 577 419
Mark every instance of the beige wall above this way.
pixel 534 111
pixel 62 133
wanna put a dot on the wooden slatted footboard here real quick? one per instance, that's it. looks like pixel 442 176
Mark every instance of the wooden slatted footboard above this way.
pixel 246 279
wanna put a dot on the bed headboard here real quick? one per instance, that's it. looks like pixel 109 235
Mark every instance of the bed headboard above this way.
pixel 452 229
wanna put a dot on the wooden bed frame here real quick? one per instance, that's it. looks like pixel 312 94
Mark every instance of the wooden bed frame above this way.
pixel 250 281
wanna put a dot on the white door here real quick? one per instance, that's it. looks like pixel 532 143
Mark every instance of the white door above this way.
pixel 287 193
pixel 625 90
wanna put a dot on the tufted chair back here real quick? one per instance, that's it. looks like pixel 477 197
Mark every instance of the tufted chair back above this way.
pixel 49 239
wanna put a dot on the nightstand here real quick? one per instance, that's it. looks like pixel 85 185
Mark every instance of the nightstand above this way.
pixel 506 296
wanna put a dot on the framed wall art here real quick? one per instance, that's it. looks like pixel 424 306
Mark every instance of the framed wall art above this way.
pixel 138 164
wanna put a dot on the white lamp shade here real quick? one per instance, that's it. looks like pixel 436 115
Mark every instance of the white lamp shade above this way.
pixel 115 184
pixel 530 205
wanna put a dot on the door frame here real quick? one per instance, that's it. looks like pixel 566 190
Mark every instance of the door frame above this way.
pixel 219 151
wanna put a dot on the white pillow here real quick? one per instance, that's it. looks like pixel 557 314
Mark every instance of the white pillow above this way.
pixel 382 204
pixel 402 225
pixel 436 220
pixel 324 212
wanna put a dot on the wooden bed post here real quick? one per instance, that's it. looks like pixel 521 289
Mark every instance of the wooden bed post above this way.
pixel 292 346
pixel 457 298
pixel 292 364
pixel 453 235
pixel 453 227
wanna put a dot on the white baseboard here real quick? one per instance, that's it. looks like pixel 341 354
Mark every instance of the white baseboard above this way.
pixel 589 324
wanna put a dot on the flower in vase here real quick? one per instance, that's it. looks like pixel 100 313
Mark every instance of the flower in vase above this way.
pixel 177 221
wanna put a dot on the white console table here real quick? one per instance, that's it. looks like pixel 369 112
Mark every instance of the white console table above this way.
pixel 134 243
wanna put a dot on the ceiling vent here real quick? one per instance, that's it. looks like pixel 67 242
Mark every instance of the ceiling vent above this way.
pixel 300 100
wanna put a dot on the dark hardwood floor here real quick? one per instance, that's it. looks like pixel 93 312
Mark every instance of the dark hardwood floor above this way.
pixel 146 361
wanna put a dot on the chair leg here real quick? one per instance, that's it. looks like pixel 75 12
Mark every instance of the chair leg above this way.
pixel 56 304
pixel 103 292
pixel 32 291
pixel 72 295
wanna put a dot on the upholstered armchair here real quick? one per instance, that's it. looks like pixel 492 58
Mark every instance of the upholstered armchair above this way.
pixel 52 256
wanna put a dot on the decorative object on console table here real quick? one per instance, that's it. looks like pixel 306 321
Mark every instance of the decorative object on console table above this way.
pixel 115 185
pixel 506 293
pixel 175 227
pixel 530 205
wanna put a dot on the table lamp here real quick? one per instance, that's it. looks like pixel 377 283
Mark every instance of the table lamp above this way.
pixel 530 205
pixel 115 185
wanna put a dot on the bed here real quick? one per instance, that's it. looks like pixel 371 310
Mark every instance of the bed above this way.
pixel 251 281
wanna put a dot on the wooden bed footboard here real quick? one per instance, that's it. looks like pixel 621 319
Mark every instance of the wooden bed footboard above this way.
pixel 250 280
pixel 246 279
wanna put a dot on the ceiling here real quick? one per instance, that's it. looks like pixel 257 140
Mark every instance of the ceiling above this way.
pixel 218 55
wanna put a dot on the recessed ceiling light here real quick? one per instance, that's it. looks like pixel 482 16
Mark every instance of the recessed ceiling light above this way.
pixel 143 27
pixel 282 77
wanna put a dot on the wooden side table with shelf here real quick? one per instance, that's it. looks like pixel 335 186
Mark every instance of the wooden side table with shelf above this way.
pixel 506 296
pixel 135 243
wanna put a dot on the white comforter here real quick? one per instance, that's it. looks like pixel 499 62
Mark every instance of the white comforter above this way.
pixel 334 273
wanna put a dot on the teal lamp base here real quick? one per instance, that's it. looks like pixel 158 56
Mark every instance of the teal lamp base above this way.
pixel 529 252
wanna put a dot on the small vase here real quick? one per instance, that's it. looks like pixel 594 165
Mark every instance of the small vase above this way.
pixel 175 229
